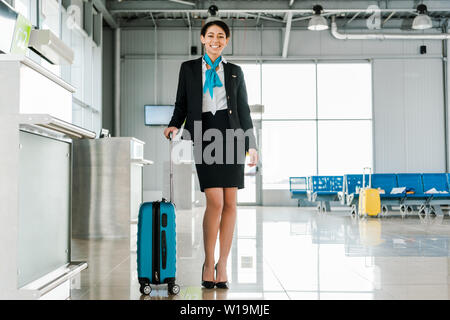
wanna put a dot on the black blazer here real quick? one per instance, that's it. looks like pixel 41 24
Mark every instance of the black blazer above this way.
pixel 188 104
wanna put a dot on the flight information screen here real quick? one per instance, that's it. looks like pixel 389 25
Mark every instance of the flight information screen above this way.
pixel 158 115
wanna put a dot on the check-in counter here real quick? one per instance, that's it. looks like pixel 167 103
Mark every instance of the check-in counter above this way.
pixel 36 136
pixel 107 188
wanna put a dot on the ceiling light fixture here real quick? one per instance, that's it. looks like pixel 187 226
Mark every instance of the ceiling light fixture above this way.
pixel 212 14
pixel 422 21
pixel 317 22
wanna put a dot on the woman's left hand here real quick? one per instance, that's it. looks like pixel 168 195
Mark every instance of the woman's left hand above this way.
pixel 253 157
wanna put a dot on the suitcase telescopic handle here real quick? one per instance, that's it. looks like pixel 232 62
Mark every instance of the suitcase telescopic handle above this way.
pixel 364 176
pixel 171 167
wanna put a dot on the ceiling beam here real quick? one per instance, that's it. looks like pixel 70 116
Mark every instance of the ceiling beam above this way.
pixel 353 18
pixel 260 6
pixel 183 2
pixel 268 11
pixel 110 20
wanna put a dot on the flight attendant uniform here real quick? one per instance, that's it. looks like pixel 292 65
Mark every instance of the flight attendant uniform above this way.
pixel 226 108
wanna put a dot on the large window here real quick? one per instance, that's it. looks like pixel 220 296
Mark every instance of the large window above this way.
pixel 289 91
pixel 289 149
pixel 317 119
pixel 344 93
pixel 252 76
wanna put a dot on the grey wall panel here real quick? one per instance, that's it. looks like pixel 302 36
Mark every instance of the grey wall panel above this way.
pixel 246 42
pixel 137 42
pixel 332 46
pixel 408 116
pixel 173 41
pixel 413 47
pixel 323 44
pixel 424 111
pixel 167 78
pixel 138 89
pixel 303 43
pixel 388 116
pixel 380 47
pixel 270 42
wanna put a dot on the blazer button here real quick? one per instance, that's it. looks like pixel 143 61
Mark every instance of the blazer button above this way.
pixel 228 97
pixel 231 111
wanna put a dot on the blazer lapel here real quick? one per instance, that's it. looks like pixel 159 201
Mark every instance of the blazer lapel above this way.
pixel 227 71
pixel 198 89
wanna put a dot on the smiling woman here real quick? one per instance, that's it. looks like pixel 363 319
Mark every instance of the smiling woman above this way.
pixel 221 107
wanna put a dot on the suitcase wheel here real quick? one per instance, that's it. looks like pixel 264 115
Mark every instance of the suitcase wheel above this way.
pixel 173 288
pixel 145 289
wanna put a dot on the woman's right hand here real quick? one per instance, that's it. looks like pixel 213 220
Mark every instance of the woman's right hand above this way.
pixel 168 130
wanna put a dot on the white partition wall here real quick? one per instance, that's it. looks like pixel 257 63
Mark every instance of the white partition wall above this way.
pixel 409 115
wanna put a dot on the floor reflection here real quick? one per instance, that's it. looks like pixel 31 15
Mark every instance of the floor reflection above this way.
pixel 289 253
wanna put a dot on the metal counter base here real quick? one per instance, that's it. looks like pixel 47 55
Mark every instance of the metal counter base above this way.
pixel 54 285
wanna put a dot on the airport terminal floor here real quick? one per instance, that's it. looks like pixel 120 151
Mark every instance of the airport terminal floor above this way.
pixel 288 253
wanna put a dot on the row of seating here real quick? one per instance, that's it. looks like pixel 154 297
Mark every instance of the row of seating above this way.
pixel 409 191
pixel 316 190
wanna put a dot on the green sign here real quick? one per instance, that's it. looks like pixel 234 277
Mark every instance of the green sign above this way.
pixel 21 35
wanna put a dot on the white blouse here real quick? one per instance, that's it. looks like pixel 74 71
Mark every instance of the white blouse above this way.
pixel 219 100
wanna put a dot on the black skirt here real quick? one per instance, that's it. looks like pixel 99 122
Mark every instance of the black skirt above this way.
pixel 215 170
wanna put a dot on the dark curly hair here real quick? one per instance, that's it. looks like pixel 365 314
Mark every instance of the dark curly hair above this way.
pixel 218 23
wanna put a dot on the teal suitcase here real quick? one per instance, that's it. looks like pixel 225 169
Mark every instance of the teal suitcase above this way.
pixel 156 246
pixel 156 243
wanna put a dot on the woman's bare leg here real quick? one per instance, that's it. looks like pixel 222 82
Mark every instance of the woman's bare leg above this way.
pixel 211 223
pixel 227 224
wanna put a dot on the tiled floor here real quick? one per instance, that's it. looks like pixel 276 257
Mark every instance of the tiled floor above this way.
pixel 289 253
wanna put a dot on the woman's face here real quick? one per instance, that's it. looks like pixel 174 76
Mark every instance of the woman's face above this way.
pixel 214 40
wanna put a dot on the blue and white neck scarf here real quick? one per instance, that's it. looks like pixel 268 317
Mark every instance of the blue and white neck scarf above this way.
pixel 211 77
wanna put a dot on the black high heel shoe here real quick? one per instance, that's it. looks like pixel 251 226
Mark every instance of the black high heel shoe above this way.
pixel 207 284
pixel 223 284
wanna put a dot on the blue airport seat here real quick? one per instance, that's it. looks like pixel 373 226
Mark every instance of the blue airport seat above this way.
pixel 352 184
pixel 437 181
pixel 336 183
pixel 324 187
pixel 298 192
pixel 326 184
pixel 414 181
pixel 298 186
pixel 352 181
pixel 386 181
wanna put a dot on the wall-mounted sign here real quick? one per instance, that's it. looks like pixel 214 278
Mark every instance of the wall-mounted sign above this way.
pixel 21 35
